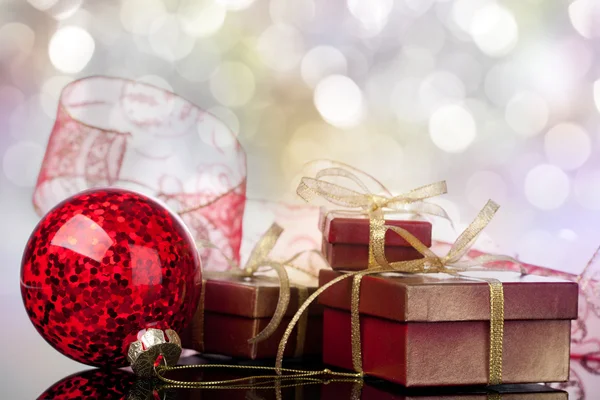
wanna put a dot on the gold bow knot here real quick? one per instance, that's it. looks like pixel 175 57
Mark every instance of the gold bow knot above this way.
pixel 366 201
pixel 375 205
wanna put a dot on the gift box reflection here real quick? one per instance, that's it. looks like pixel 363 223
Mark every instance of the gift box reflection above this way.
pixel 121 385
pixel 379 390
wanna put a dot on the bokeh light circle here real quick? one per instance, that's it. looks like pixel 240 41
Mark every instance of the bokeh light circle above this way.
pixel 373 14
pixel 568 234
pixel 440 88
pixel 567 145
pixel 232 84
pixel 339 100
pixel 169 40
pixel 597 94
pixel 138 16
pixel 502 82
pixel 200 64
pixel 402 98
pixel 42 5
pixel 235 5
pixel 21 163
pixel 292 12
pixel 527 113
pixel 547 187
pixel 11 99
pixel 484 185
pixel 586 187
pixel 201 18
pixel 281 47
pixel 320 62
pixel 494 30
pixel 71 49
pixel 16 41
pixel 452 128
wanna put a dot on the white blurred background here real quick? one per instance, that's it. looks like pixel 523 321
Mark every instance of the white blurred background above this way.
pixel 500 98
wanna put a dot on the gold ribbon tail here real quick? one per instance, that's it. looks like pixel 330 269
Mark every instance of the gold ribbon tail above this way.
pixel 282 303
pixel 496 331
pixel 355 324
pixel 302 324
pixel 288 330
pixel 197 324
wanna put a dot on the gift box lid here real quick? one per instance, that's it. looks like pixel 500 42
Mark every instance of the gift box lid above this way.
pixel 440 297
pixel 354 229
pixel 254 297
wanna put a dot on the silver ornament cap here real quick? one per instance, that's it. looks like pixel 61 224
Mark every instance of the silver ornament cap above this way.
pixel 155 347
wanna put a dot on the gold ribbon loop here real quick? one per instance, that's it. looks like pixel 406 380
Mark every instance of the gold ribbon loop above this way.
pixel 334 193
pixel 431 261
pixel 309 188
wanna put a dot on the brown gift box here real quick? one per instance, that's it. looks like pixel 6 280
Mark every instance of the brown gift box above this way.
pixel 346 239
pixel 345 390
pixel 432 330
pixel 237 309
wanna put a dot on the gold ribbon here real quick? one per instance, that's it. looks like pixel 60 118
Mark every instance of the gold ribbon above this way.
pixel 198 325
pixel 375 205
pixel 259 259
pixel 431 263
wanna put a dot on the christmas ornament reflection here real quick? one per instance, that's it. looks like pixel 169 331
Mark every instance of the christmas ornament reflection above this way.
pixel 101 268
pixel 92 384
pixel 107 385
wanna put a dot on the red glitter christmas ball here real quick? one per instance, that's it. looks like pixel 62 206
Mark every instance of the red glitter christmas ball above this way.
pixel 103 265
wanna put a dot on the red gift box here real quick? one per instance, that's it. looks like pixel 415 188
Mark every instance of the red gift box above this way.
pixel 346 240
pixel 425 330
pixel 237 309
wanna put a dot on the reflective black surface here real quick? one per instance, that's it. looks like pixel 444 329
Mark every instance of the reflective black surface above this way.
pixel 122 384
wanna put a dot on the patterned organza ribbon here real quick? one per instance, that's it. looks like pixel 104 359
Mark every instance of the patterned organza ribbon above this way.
pixel 373 204
pixel 257 263
pixel 451 263
pixel 113 132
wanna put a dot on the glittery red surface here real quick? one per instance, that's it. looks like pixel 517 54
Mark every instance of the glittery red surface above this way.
pixel 101 266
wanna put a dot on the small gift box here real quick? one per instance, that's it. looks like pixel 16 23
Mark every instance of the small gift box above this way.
pixel 346 240
pixel 236 309
pixel 358 203
pixel 343 390
pixel 434 329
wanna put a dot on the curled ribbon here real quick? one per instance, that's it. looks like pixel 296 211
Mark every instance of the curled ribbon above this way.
pixel 259 258
pixel 451 263
pixel 375 205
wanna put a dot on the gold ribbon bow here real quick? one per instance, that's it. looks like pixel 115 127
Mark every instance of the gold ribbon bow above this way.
pixel 259 258
pixel 375 205
pixel 431 263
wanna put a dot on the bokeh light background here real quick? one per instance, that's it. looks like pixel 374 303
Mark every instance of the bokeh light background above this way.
pixel 500 98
